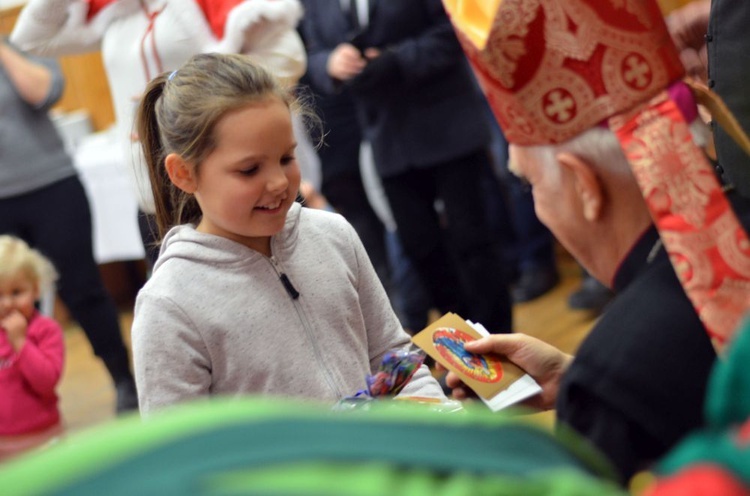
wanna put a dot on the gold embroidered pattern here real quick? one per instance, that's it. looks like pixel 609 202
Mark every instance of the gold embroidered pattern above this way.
pixel 506 44
pixel 635 7
pixel 664 161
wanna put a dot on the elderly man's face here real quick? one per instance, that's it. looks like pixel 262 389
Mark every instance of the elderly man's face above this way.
pixel 555 200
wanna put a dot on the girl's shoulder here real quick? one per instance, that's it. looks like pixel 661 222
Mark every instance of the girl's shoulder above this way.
pixel 322 219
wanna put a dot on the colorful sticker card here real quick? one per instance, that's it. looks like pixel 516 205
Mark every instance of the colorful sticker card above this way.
pixel 497 382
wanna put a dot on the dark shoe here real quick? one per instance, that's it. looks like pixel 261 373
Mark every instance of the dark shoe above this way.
pixel 127 396
pixel 592 295
pixel 533 283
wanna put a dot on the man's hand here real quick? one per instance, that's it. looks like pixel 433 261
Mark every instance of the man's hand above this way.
pixel 345 62
pixel 688 26
pixel 15 325
pixel 380 75
pixel 545 363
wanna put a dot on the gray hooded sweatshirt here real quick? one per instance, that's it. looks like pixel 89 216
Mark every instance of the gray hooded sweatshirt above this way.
pixel 215 318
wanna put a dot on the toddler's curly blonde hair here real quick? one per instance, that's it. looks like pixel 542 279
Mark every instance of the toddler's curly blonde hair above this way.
pixel 18 258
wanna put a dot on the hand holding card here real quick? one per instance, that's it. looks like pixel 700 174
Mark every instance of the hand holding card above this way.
pixel 499 383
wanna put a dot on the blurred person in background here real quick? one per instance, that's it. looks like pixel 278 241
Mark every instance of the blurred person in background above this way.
pixel 32 351
pixel 424 117
pixel 42 201
pixel 713 43
pixel 140 39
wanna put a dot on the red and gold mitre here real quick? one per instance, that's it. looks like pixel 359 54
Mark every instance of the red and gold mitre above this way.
pixel 552 69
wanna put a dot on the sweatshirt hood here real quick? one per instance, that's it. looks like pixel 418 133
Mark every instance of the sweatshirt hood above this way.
pixel 184 242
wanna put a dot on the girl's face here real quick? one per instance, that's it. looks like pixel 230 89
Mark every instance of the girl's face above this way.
pixel 17 293
pixel 246 186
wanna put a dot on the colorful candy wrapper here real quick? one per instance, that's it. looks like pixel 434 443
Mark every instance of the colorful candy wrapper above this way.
pixel 394 373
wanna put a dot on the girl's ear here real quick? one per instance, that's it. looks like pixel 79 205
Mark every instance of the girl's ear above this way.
pixel 180 173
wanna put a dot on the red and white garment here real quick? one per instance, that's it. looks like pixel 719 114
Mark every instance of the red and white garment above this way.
pixel 141 38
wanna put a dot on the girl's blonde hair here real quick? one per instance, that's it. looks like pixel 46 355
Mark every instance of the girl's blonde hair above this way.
pixel 18 258
pixel 179 111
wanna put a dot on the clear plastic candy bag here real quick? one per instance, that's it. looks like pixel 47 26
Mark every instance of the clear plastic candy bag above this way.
pixel 393 374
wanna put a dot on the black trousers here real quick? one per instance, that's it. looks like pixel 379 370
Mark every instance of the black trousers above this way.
pixel 346 194
pixel 454 253
pixel 56 220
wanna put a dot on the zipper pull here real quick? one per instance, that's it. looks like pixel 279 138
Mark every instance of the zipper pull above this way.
pixel 284 279
pixel 288 286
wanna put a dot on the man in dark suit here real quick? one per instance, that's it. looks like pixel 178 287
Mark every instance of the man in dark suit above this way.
pixel 713 42
pixel 728 70
pixel 423 115
pixel 341 181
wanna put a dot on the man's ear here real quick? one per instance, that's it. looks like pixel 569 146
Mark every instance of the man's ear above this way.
pixel 587 183
pixel 180 173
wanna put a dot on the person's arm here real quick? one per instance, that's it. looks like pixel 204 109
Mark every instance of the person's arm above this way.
pixel 170 359
pixel 40 359
pixel 688 26
pixel 328 66
pixel 62 27
pixel 38 83
pixel 542 361
pixel 414 60
pixel 283 53
pixel 345 62
pixel 265 30
pixel 14 327
pixel 384 331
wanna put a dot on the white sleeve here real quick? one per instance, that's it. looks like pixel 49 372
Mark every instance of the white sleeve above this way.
pixel 59 27
pixel 266 31
pixel 283 54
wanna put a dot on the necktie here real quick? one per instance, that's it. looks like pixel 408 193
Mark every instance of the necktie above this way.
pixel 354 16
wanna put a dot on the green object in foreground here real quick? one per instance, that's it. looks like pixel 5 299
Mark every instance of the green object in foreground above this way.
pixel 275 447
pixel 725 441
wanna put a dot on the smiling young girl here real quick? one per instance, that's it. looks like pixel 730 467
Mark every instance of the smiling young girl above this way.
pixel 252 294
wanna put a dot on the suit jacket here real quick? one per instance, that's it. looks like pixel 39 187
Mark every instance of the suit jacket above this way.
pixel 341 133
pixel 430 109
pixel 639 378
pixel 638 382
pixel 728 71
